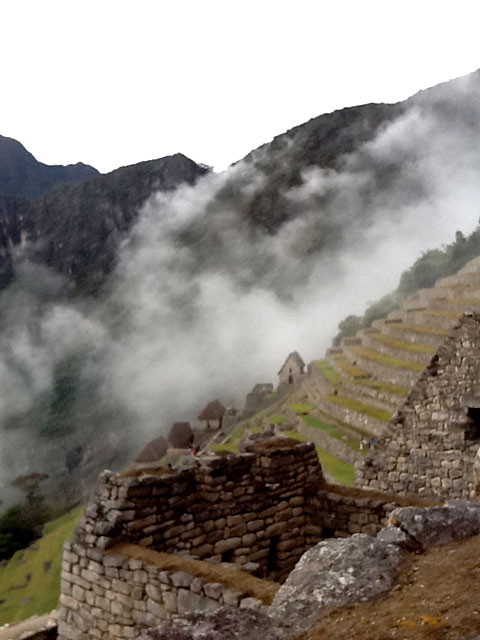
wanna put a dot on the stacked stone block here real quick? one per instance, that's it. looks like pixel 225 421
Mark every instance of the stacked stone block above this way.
pixel 430 444
pixel 228 508
pixel 110 596
pixel 260 510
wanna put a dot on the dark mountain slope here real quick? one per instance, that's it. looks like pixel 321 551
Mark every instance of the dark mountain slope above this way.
pixel 75 229
pixel 22 175
pixel 328 141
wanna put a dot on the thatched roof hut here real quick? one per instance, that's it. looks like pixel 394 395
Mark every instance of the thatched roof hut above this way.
pixel 213 411
pixel 153 451
pixel 180 435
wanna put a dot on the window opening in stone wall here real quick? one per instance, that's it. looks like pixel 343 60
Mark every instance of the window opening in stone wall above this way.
pixel 327 533
pixel 272 554
pixel 227 556
pixel 472 428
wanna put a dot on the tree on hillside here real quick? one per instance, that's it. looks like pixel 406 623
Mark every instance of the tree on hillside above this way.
pixel 29 485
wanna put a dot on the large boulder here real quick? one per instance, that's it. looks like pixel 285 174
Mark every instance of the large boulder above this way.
pixel 456 520
pixel 336 572
pixel 220 624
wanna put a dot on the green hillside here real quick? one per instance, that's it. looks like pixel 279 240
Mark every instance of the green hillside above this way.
pixel 29 583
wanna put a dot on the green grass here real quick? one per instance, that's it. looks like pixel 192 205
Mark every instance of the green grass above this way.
pixel 370 354
pixel 343 363
pixel 395 343
pixel 43 587
pixel 367 409
pixel 328 372
pixel 302 408
pixel 232 443
pixel 416 328
pixel 276 419
pixel 389 387
pixel 342 472
pixel 332 431
pixel 256 429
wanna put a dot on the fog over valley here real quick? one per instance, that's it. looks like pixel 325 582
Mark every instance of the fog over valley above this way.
pixel 205 300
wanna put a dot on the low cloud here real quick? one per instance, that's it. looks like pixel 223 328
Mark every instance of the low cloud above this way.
pixel 202 305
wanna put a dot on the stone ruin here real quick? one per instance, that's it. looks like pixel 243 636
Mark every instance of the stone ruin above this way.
pixel 168 543
pixel 227 532
pixel 429 446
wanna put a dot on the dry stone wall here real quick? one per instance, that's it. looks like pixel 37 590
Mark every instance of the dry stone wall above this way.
pixel 227 508
pixel 260 510
pixel 429 446
pixel 106 595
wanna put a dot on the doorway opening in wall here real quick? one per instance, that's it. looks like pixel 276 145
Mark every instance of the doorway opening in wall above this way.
pixel 272 554
pixel 472 428
pixel 227 556
pixel 327 533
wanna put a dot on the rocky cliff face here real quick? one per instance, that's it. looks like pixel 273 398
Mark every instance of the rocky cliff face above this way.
pixel 75 229
pixel 22 175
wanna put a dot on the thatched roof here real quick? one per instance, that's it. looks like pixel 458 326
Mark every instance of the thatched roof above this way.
pixel 295 356
pixel 213 411
pixel 181 435
pixel 153 451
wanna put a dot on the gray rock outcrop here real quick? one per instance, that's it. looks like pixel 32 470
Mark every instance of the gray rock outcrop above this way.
pixel 336 572
pixel 221 624
pixel 457 520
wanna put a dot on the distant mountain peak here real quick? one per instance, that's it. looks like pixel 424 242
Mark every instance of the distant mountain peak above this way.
pixel 22 175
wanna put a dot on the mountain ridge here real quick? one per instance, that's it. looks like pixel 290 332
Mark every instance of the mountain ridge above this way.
pixel 22 175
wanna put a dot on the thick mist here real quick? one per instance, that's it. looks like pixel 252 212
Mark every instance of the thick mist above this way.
pixel 202 305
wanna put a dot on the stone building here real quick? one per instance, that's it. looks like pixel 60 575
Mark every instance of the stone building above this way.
pixel 140 552
pixel 429 446
pixel 211 417
pixel 292 369
pixel 258 398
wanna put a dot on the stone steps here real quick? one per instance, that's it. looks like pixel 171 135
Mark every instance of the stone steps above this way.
pixel 376 368
pixel 412 332
pixel 357 420
pixel 397 371
pixel 426 318
pixel 372 391
pixel 396 348
pixel 368 391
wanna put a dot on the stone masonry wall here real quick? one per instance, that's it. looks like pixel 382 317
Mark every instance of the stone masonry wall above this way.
pixel 117 596
pixel 227 508
pixel 265 507
pixel 429 447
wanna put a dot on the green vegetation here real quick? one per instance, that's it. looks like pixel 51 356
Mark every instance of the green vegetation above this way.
pixel 438 263
pixel 383 359
pixel 332 431
pixel 360 407
pixel 276 419
pixel 395 343
pixel 347 327
pixel 431 266
pixel 16 531
pixel 343 363
pixel 388 387
pixel 302 408
pixel 416 328
pixel 32 576
pixel 342 472
pixel 232 443
pixel 329 372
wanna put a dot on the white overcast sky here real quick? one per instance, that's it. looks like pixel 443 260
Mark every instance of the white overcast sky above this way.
pixel 113 82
